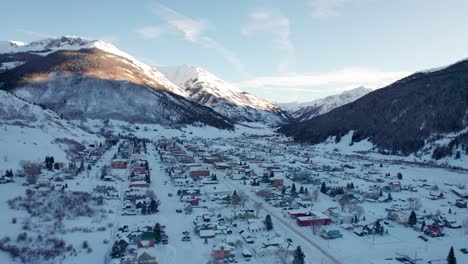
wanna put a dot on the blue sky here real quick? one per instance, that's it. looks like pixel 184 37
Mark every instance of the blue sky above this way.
pixel 280 50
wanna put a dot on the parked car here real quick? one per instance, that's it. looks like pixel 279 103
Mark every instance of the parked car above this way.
pixel 170 194
pixel 331 234
pixel 186 233
pixel 186 238
pixel 464 250
pixel 178 211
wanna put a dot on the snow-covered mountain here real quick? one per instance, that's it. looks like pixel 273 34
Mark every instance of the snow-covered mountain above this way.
pixel 29 132
pixel 9 50
pixel 82 78
pixel 205 88
pixel 424 113
pixel 309 110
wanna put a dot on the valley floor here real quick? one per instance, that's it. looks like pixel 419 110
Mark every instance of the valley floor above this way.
pixel 263 151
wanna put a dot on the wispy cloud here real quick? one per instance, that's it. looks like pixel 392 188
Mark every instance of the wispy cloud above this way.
pixel 34 33
pixel 326 81
pixel 326 8
pixel 150 32
pixel 194 31
pixel 278 27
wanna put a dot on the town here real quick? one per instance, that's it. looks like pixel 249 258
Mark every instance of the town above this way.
pixel 247 198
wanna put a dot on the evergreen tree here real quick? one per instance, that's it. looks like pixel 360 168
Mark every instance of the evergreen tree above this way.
pixel 423 225
pixel 400 176
pixel 412 218
pixel 323 189
pixel 153 206
pixel 235 199
pixel 380 193
pixel 389 197
pixel 451 257
pixel 301 190
pixel 298 256
pixel 293 189
pixel 157 233
pixel 116 250
pixel 268 223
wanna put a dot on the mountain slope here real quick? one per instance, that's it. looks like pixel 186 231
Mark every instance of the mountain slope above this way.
pixel 87 79
pixel 29 132
pixel 207 89
pixel 325 105
pixel 399 117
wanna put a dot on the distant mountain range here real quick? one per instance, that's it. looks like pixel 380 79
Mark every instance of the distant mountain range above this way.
pixel 90 79
pixel 308 110
pixel 401 117
pixel 82 78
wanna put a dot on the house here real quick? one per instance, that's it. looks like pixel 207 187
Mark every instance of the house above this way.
pixel 146 258
pixel 207 233
pixel 315 218
pixel 298 213
pixel 221 251
pixel 256 226
pixel 277 182
pixel 433 231
pixel 247 237
pixel 119 164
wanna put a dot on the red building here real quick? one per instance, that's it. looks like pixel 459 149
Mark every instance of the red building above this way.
pixel 316 218
pixel 200 173
pixel 119 164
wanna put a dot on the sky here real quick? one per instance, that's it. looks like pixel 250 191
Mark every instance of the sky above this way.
pixel 283 51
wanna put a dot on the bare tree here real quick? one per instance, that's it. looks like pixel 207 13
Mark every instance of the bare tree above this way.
pixel 343 201
pixel 257 206
pixel 283 256
pixel 32 171
pixel 465 225
pixel 356 209
pixel 264 193
pixel 243 198
pixel 151 195
pixel 316 228
pixel 414 203
pixel 315 195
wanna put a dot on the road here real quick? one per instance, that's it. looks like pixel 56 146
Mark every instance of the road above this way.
pixel 285 224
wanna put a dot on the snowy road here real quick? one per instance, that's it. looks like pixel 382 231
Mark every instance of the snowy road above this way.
pixel 284 224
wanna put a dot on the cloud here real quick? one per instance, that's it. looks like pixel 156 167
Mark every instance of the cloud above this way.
pixel 34 33
pixel 191 28
pixel 326 8
pixel 150 32
pixel 278 27
pixel 335 80
pixel 194 31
